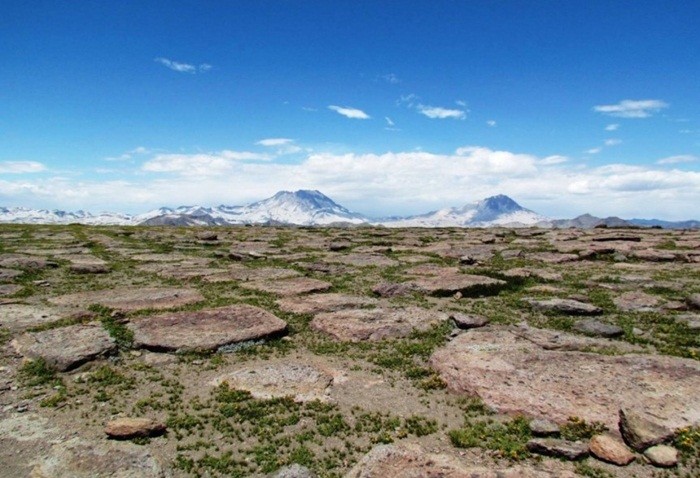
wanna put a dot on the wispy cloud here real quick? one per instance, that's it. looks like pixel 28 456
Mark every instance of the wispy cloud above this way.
pixel 391 78
pixel 594 150
pixel 612 142
pixel 632 108
pixel 682 158
pixel 612 127
pixel 201 165
pixel 349 112
pixel 389 122
pixel 139 150
pixel 491 123
pixel 282 145
pixel 21 167
pixel 183 67
pixel 437 112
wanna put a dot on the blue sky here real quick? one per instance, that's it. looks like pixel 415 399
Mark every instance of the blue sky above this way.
pixel 389 107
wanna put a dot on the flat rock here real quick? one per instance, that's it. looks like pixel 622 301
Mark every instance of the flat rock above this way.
pixel 597 328
pixel 9 289
pixel 243 273
pixel 549 339
pixel 316 303
pixel 126 427
pixel 564 306
pixel 469 321
pixel 553 257
pixel 20 261
pixel 364 260
pixel 89 267
pixel 388 289
pixel 131 299
pixel 616 237
pixel 21 316
pixel 640 431
pixel 7 275
pixel 571 450
pixel 289 287
pixel 651 255
pixel 542 428
pixel 511 373
pixel 78 458
pixel 693 301
pixel 303 381
pixel 609 448
pixel 356 325
pixel 662 455
pixel 293 471
pixel 65 348
pixel 635 301
pixel 466 284
pixel 206 329
pixel 413 461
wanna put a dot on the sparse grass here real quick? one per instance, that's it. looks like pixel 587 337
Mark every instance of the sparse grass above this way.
pixel 508 439
pixel 577 428
pixel 37 372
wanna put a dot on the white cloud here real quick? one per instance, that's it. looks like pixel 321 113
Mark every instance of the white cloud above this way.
pixel 437 112
pixel 282 145
pixel 461 103
pixel 390 183
pixel 275 141
pixel 594 150
pixel 682 158
pixel 612 142
pixel 200 165
pixel 21 167
pixel 391 79
pixel 183 67
pixel 139 150
pixel 389 122
pixel 491 123
pixel 612 127
pixel 348 112
pixel 632 108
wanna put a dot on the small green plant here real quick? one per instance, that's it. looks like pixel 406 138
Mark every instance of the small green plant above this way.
pixel 577 428
pixel 507 439
pixel 583 468
pixel 37 372
pixel 121 334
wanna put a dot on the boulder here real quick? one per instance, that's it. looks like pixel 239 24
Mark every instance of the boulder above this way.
pixel 640 432
pixel 571 450
pixel 65 348
pixel 597 328
pixel 610 449
pixel 662 455
pixel 542 427
pixel 206 329
pixel 468 321
pixel 125 428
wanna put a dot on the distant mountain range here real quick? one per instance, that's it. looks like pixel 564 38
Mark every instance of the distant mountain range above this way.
pixel 312 208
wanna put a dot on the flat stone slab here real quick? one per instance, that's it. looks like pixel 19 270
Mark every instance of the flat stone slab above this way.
pixel 564 306
pixel 597 328
pixel 302 381
pixel 80 458
pixel 206 329
pixel 65 348
pixel 357 325
pixel 364 260
pixel 9 289
pixel 316 303
pixel 635 301
pixel 7 275
pixel 515 375
pixel 20 261
pixel 464 283
pixel 243 273
pixel 413 461
pixel 20 316
pixel 289 287
pixel 131 299
pixel 127 427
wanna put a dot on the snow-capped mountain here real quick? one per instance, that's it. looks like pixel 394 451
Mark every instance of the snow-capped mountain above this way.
pixel 304 208
pixel 493 211
pixel 21 215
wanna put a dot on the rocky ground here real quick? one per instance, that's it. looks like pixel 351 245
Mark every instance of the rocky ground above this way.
pixel 367 352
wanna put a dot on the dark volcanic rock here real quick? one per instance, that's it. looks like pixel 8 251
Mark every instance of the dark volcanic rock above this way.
pixel 206 329
pixel 65 348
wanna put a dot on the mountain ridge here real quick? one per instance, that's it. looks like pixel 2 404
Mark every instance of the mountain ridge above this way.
pixel 313 208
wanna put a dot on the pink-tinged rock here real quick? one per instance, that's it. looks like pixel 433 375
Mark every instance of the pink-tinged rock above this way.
pixel 611 449
pixel 130 299
pixel 125 428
